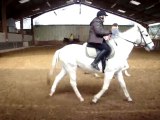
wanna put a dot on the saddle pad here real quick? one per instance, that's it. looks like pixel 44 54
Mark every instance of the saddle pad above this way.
pixel 91 52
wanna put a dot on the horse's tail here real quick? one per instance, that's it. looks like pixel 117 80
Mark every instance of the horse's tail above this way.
pixel 54 62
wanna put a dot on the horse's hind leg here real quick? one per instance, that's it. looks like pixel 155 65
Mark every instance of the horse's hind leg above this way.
pixel 107 80
pixel 123 86
pixel 57 80
pixel 73 82
pixel 126 73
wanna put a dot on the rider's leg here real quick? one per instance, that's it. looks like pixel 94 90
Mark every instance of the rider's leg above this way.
pixel 105 51
pixel 97 59
pixel 103 64
pixel 105 57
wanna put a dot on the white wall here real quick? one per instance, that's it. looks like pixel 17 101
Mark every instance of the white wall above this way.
pixel 2 37
pixel 12 37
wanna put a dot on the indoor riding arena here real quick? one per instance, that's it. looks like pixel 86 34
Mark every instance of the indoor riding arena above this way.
pixel 27 47
pixel 25 93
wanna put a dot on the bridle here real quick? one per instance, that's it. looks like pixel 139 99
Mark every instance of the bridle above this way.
pixel 142 40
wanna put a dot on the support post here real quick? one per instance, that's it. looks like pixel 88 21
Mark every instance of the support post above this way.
pixel 4 19
pixel 21 28
pixel 32 29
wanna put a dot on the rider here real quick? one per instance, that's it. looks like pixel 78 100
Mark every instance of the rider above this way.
pixel 96 40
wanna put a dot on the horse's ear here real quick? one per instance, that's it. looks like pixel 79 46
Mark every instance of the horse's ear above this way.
pixel 136 25
pixel 133 24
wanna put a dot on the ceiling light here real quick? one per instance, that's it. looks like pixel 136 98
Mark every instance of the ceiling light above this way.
pixel 69 1
pixel 113 5
pixel 122 11
pixel 23 1
pixel 147 8
pixel 49 5
pixel 134 2
pixel 37 9
pixel 89 2
pixel 132 14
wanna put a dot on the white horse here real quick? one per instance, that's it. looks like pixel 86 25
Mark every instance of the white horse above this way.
pixel 74 55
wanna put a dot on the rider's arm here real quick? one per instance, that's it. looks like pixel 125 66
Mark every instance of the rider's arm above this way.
pixel 99 30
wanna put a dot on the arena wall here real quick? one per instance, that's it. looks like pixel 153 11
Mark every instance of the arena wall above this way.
pixel 59 32
pixel 14 41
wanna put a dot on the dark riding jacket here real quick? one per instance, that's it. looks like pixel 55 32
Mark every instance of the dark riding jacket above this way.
pixel 97 31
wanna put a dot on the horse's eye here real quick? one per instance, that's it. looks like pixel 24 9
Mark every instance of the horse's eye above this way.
pixel 146 35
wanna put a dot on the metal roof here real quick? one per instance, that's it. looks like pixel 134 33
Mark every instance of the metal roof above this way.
pixel 147 12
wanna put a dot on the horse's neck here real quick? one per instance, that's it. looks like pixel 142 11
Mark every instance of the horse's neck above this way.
pixel 125 47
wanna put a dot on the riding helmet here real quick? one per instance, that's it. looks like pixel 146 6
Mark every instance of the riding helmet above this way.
pixel 101 13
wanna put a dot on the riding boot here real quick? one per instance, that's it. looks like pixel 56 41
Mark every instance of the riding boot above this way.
pixel 103 64
pixel 94 64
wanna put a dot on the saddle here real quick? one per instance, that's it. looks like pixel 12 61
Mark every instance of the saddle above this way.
pixel 92 52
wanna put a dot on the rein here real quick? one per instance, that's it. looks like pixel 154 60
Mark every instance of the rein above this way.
pixel 128 40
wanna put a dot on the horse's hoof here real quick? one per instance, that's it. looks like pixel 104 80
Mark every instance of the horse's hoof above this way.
pixel 51 94
pixel 96 75
pixel 128 75
pixel 81 100
pixel 129 100
pixel 94 100
pixel 93 103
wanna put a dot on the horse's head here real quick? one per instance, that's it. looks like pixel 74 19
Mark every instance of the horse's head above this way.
pixel 144 39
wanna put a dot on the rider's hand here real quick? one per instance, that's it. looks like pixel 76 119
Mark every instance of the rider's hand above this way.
pixel 107 37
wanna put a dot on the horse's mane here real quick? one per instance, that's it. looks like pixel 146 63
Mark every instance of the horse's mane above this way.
pixel 128 31
pixel 132 30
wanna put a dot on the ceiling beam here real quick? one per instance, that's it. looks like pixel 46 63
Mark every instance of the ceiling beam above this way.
pixel 115 13
pixel 34 8
pixel 39 9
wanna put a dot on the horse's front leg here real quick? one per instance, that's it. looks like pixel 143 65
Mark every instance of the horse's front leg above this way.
pixel 123 86
pixel 107 79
